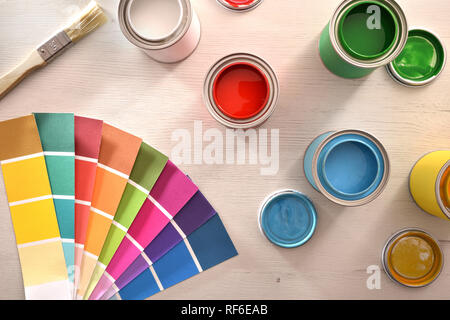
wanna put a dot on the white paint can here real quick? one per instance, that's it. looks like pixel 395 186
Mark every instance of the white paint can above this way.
pixel 167 30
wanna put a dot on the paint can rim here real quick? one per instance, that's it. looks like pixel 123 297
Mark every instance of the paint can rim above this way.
pixel 262 66
pixel 373 195
pixel 395 236
pixel 240 8
pixel 411 83
pixel 312 211
pixel 445 210
pixel 163 43
pixel 382 60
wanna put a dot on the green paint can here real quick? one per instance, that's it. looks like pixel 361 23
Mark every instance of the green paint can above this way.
pixel 363 35
pixel 421 61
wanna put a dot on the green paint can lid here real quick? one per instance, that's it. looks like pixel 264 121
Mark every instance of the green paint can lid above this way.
pixel 421 61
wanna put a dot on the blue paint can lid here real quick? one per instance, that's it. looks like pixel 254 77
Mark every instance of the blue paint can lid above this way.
pixel 288 218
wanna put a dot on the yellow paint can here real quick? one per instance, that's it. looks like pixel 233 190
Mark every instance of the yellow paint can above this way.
pixel 429 183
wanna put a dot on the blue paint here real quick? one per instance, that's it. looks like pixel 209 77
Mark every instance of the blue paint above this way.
pixel 143 286
pixel 288 219
pixel 211 245
pixel 350 167
pixel 175 266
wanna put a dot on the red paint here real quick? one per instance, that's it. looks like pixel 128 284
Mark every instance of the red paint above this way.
pixel 241 90
pixel 238 3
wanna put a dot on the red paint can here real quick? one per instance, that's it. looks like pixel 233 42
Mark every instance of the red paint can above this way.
pixel 241 90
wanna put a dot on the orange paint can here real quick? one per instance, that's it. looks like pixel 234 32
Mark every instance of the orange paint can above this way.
pixel 412 257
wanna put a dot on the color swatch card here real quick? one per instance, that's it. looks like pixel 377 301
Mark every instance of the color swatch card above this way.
pixel 56 131
pixel 169 195
pixel 32 209
pixel 88 135
pixel 193 215
pixel 204 248
pixel 146 170
pixel 99 214
pixel 118 152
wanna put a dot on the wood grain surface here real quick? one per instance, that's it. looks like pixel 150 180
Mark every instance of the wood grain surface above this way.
pixel 106 77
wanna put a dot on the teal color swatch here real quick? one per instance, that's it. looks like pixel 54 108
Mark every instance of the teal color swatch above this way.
pixel 56 131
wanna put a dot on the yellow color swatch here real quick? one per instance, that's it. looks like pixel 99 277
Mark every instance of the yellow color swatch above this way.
pixel 42 263
pixel 35 221
pixel 26 179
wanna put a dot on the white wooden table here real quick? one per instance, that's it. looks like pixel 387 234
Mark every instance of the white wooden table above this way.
pixel 106 77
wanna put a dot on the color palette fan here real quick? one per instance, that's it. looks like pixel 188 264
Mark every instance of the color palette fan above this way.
pixel 100 214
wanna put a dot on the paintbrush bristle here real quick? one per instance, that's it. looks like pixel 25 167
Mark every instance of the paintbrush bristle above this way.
pixel 86 21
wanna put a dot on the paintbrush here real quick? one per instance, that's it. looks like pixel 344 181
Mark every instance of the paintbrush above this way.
pixel 86 21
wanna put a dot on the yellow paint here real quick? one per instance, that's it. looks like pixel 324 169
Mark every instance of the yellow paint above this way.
pixel 35 221
pixel 42 263
pixel 26 179
pixel 414 258
pixel 423 179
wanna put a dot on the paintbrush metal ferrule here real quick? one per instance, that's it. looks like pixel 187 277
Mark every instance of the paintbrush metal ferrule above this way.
pixel 53 47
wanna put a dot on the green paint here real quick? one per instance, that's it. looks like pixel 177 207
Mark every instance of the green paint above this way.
pixel 131 202
pixel 148 166
pixel 66 219
pixel 362 42
pixel 335 63
pixel 61 173
pixel 422 58
pixel 113 240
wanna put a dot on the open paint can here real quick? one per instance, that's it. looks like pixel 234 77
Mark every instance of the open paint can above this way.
pixel 429 183
pixel 240 5
pixel 167 30
pixel 412 257
pixel 287 218
pixel 349 167
pixel 241 91
pixel 421 61
pixel 363 35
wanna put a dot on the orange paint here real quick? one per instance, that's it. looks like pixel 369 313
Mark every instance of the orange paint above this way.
pixel 414 258
pixel 118 149
pixel 98 228
pixel 108 191
pixel 241 90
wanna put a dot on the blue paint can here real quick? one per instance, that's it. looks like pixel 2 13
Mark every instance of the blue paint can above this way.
pixel 349 167
pixel 287 218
